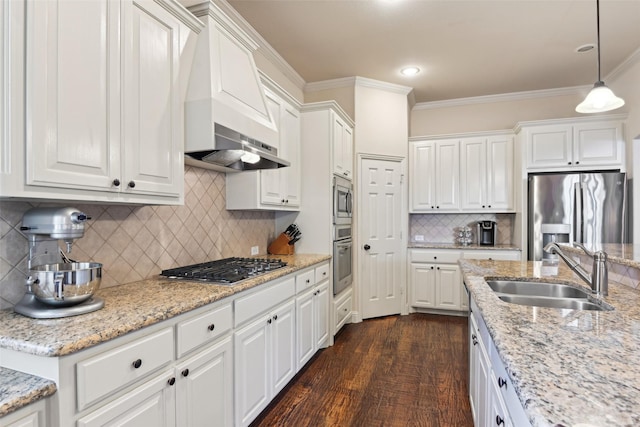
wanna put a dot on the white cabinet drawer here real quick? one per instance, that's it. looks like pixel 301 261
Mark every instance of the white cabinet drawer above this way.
pixel 305 280
pixel 250 306
pixel 343 310
pixel 422 255
pixel 492 255
pixel 322 272
pixel 107 372
pixel 200 329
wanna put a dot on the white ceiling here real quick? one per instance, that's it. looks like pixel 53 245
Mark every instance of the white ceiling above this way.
pixel 464 48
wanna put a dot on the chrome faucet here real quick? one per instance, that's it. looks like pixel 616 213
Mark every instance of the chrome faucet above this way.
pixel 598 280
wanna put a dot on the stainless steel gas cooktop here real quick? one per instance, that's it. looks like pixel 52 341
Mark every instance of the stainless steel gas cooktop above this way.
pixel 225 271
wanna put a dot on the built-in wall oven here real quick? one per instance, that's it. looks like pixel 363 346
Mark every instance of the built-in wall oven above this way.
pixel 342 201
pixel 342 258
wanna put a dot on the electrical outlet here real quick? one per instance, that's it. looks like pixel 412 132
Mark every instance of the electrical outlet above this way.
pixel 419 238
pixel 255 250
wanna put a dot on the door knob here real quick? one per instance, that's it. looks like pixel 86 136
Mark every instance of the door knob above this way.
pixel 367 247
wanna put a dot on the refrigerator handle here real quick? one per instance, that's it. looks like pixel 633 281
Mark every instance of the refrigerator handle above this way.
pixel 577 212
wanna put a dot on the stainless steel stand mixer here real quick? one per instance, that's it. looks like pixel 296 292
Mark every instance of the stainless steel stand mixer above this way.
pixel 60 287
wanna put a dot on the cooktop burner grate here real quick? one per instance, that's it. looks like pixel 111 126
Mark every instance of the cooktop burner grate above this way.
pixel 225 271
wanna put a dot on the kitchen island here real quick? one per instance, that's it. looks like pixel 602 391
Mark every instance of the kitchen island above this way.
pixel 568 367
pixel 128 308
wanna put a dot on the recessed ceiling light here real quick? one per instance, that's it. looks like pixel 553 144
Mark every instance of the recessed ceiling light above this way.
pixel 585 48
pixel 410 71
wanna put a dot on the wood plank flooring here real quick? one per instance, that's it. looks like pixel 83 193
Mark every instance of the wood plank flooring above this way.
pixel 391 371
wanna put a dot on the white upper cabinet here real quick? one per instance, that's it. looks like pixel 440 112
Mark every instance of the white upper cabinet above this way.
pixel 574 144
pixel 486 174
pixel 342 147
pixel 103 108
pixel 467 173
pixel 273 189
pixel 434 176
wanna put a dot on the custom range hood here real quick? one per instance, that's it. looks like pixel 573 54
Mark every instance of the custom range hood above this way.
pixel 228 126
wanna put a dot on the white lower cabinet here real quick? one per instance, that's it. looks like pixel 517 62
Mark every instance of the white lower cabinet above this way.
pixel 32 415
pixel 312 308
pixel 342 308
pixel 265 360
pixel 152 404
pixel 204 387
pixel 434 276
pixel 220 364
pixel 491 394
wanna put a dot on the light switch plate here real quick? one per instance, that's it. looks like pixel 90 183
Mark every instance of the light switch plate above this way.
pixel 255 250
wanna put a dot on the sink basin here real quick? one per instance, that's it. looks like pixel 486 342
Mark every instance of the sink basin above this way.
pixel 540 289
pixel 541 294
pixel 566 303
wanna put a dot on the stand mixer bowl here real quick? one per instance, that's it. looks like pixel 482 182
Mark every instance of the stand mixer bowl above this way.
pixel 65 284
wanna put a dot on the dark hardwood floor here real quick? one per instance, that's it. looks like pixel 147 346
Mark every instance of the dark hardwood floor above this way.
pixel 392 371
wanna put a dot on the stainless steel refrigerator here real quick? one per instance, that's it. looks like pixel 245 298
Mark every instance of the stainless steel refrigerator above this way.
pixel 576 207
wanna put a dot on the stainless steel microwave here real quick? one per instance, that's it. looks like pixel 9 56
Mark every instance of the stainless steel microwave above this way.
pixel 342 200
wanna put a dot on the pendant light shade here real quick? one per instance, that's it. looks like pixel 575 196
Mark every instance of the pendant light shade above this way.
pixel 601 98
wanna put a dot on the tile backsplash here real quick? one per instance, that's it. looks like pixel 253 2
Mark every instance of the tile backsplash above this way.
pixel 136 242
pixel 441 228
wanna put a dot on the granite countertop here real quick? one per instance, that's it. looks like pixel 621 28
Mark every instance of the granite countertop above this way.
pixel 128 308
pixel 568 367
pixel 18 389
pixel 426 245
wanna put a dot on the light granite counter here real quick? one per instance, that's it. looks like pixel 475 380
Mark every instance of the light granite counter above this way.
pixel 127 308
pixel 568 367
pixel 18 389
pixel 426 245
pixel 624 254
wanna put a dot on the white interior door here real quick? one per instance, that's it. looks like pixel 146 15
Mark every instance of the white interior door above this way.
pixel 381 242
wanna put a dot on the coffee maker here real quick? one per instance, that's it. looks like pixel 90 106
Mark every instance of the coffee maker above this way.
pixel 487 233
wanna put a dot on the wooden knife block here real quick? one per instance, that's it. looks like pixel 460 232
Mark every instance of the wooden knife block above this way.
pixel 281 246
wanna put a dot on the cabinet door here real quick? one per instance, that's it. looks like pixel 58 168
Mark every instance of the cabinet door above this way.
pixel 498 413
pixel 252 364
pixel 423 285
pixel 473 174
pixel 152 114
pixel 422 182
pixel 447 175
pixel 151 404
pixel 598 144
pixel 342 147
pixel 549 146
pixel 479 371
pixel 290 146
pixel 448 286
pixel 499 174
pixel 304 328
pixel 347 152
pixel 283 347
pixel 73 94
pixel 271 182
pixel 321 308
pixel 205 387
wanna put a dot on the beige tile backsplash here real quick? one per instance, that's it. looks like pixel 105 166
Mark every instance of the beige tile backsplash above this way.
pixel 136 242
pixel 441 228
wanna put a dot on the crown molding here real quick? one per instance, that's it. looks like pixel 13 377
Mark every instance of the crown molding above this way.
pixel 330 84
pixel 624 66
pixel 389 87
pixel 533 94
pixel 263 46
pixel 484 133
pixel 327 105
pixel 502 97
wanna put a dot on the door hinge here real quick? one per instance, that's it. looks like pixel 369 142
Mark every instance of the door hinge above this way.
pixel 401 178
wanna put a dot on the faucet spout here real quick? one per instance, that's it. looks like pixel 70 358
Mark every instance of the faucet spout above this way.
pixel 598 280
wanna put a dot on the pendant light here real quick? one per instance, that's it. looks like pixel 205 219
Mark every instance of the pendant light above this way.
pixel 601 98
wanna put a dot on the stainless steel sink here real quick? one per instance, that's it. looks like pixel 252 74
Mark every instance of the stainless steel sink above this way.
pixel 541 294
pixel 541 289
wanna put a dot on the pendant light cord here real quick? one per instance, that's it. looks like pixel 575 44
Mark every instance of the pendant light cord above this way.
pixel 598 31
